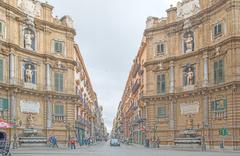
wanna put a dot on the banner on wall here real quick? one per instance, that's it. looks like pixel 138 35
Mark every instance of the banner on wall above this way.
pixel 29 106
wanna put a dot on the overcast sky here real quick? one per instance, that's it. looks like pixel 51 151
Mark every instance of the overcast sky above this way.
pixel 109 34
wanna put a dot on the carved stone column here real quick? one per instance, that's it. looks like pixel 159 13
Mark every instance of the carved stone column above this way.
pixel 172 78
pixel 12 67
pixel 49 113
pixel 205 60
pixel 48 77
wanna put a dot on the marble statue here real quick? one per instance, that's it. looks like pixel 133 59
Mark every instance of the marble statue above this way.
pixel 190 77
pixel 28 40
pixel 29 74
pixel 30 121
pixel 189 43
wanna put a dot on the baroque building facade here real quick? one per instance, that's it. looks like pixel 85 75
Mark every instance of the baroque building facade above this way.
pixel 44 83
pixel 191 71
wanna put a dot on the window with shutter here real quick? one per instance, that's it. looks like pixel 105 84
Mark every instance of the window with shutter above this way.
pixel 4 108
pixel 1 70
pixel 160 48
pixel 58 46
pixel 219 71
pixel 58 82
pixel 161 85
pixel 59 112
pixel 161 112
pixel 217 29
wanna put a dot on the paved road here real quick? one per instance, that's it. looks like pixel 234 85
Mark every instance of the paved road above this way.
pixel 106 150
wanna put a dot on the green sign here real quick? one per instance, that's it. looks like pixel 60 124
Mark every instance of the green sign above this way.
pixel 223 132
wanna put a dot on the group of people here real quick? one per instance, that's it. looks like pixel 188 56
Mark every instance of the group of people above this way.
pixel 71 143
pixel 152 143
pixel 88 141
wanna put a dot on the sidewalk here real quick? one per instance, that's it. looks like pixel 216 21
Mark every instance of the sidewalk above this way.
pixel 172 147
pixel 63 148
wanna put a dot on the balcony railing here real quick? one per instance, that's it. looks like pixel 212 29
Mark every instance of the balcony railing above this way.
pixel 59 118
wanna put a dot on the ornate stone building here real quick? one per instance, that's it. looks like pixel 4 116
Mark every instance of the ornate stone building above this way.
pixel 44 83
pixel 192 74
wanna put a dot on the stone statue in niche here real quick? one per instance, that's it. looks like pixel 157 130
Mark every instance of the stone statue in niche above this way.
pixel 189 75
pixel 29 74
pixel 188 42
pixel 29 39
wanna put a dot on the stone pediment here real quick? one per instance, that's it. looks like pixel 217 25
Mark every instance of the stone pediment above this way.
pixel 187 8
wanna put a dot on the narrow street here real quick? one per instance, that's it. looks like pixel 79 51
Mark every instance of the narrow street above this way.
pixel 105 150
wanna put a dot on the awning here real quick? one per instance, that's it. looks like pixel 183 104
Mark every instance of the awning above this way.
pixel 4 124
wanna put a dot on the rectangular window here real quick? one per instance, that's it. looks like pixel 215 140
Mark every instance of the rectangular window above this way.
pixel 161 84
pixel 219 71
pixel 59 112
pixel 161 112
pixel 217 29
pixel 58 82
pixel 1 70
pixel 58 46
pixel 4 109
pixel 160 48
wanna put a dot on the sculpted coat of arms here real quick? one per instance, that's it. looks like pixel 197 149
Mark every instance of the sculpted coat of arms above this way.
pixel 30 7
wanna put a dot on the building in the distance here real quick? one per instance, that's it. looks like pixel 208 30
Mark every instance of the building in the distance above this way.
pixel 191 91
pixel 44 85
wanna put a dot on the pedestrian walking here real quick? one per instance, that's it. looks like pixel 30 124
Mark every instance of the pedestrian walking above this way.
pixel 54 141
pixel 72 143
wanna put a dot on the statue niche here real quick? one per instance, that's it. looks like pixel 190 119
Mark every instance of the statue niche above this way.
pixel 189 75
pixel 29 74
pixel 188 39
pixel 29 39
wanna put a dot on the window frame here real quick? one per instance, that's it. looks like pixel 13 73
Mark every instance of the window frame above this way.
pixel 59 82
pixel 161 83
pixel 160 48
pixel 56 50
pixel 218 71
pixel 218 26
pixel 160 109
pixel 59 114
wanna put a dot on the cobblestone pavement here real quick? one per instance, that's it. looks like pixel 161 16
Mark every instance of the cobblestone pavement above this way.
pixel 105 150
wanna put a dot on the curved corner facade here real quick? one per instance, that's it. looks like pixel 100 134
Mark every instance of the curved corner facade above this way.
pixel 188 78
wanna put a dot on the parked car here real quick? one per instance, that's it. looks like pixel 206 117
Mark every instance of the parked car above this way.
pixel 114 142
